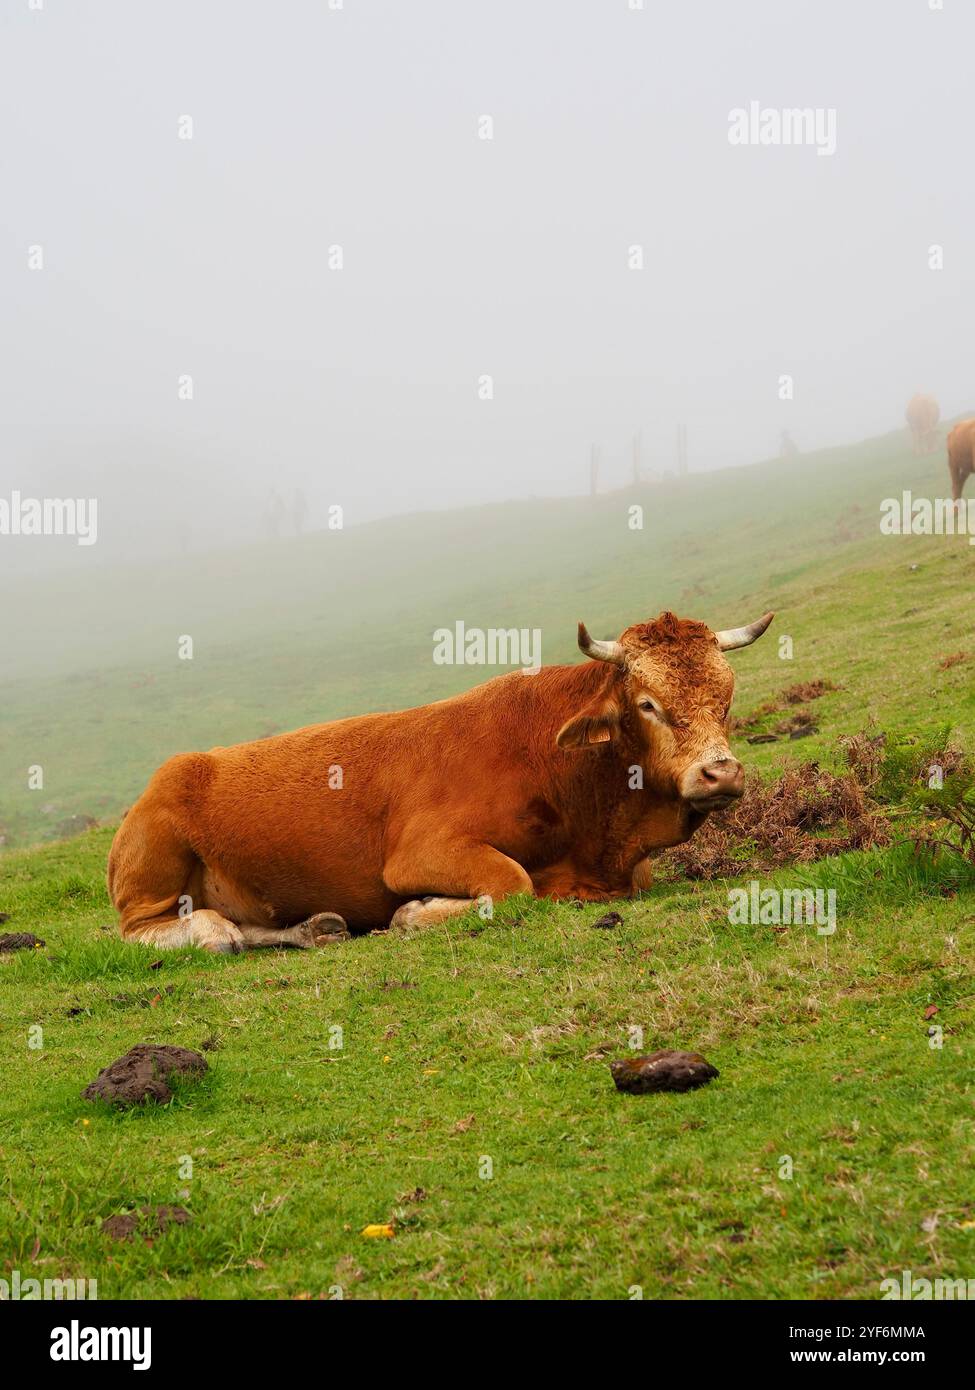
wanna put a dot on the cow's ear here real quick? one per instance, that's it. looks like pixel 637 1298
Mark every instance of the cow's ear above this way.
pixel 597 723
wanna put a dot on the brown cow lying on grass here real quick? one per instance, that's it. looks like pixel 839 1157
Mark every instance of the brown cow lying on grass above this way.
pixel 558 783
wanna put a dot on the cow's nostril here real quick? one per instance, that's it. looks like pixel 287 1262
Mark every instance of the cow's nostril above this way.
pixel 723 774
pixel 714 783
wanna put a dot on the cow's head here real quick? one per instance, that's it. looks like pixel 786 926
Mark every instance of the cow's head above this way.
pixel 671 695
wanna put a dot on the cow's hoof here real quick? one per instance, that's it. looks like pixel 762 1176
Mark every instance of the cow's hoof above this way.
pixel 221 938
pixel 407 915
pixel 323 929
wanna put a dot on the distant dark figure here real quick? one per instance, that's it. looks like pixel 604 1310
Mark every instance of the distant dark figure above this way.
pixel 922 416
pixel 961 442
pixel 299 510
pixel 274 514
pixel 788 449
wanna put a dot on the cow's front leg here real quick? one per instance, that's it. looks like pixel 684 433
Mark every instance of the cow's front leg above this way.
pixel 445 878
pixel 427 912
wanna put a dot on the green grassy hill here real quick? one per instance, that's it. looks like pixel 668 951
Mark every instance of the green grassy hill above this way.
pixel 340 622
pixel 470 1102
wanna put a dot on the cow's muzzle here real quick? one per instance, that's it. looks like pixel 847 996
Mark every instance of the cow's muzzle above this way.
pixel 712 785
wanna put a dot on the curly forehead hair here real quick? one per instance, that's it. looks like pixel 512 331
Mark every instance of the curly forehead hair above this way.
pixel 667 628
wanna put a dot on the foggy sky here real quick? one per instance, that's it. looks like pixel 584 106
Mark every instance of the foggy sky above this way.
pixel 462 257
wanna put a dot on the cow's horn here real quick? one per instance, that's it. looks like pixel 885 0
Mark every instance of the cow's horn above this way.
pixel 733 637
pixel 600 651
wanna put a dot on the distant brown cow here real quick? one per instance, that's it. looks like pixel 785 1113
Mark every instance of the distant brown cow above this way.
pixel 558 782
pixel 961 441
pixel 922 415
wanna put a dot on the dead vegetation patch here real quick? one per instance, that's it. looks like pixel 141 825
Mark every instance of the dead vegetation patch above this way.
pixel 799 694
pixel 807 813
pixel 946 662
pixel 798 725
pixel 805 691
pixel 868 756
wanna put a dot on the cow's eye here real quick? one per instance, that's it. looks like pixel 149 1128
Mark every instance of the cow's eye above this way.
pixel 648 707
